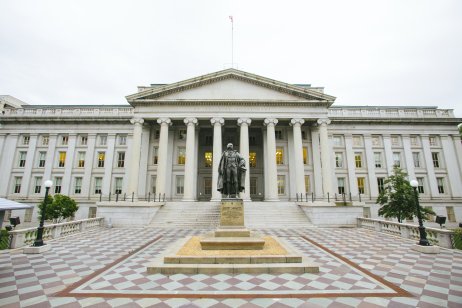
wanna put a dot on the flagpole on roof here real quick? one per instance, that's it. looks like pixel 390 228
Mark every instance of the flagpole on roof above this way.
pixel 232 41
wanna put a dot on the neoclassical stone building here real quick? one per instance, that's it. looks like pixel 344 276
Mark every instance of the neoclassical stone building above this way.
pixel 169 139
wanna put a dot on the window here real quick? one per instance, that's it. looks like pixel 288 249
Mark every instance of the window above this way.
pixel 118 186
pixel 435 158
pixel 440 182
pixel 307 184
pixel 416 158
pixel 304 135
pixel 252 140
pixel 62 159
pixel 396 159
pixel 207 186
pixel 253 186
pixel 420 185
pixel 155 155
pixel 102 140
pixel 45 140
pixel 122 139
pixel 25 140
pixel 361 186
pixel 380 184
pixel 279 156
pixel 179 184
pixel 358 160
pixel 92 212
pixel 338 160
pixel 153 184
pixel 395 140
pixel 378 159
pixel 64 140
pixel 98 185
pixel 182 134
pixel 253 159
pixel 58 183
pixel 120 159
pixel 42 157
pixel 28 215
pixel 157 134
pixel 81 159
pixel 281 184
pixel 432 140
pixel 337 141
pixel 181 155
pixel 22 159
pixel 208 140
pixel 208 158
pixel 78 185
pixel 278 134
pixel 37 184
pixel 450 213
pixel 101 158
pixel 375 140
pixel 341 185
pixel 414 141
pixel 305 156
pixel 356 141
pixel 83 140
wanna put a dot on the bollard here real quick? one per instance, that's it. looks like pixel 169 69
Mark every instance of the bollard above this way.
pixel 117 197
pixel 359 197
pixel 109 197
pixel 149 197
pixel 312 197
pixel 350 197
pixel 328 197
pixel 164 197
pixel 344 199
pixel 296 196
pixel 133 196
pixel 125 196
pixel 100 196
pixel 335 196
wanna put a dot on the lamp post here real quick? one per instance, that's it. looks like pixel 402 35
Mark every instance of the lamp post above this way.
pixel 423 235
pixel 39 240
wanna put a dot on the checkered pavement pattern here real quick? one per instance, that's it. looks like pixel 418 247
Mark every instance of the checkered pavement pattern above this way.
pixel 34 280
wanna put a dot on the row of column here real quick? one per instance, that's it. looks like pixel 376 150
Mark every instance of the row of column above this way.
pixel 217 123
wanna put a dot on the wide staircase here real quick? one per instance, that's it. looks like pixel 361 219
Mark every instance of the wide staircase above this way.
pixel 284 215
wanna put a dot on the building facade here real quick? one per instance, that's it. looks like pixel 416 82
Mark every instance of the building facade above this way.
pixel 168 141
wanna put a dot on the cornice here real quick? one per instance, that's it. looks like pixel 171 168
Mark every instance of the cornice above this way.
pixel 229 102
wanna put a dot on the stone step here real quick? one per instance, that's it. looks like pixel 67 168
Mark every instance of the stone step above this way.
pixel 255 259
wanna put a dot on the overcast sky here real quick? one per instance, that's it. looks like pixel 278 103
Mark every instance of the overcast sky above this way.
pixel 363 52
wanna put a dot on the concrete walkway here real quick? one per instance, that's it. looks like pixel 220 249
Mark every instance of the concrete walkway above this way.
pixel 106 268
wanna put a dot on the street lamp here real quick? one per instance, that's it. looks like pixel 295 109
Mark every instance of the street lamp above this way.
pixel 39 240
pixel 423 235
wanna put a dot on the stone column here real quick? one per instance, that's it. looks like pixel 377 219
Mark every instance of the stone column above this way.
pixel 244 150
pixel 351 164
pixel 108 164
pixel 370 160
pixel 135 157
pixel 317 175
pixel 408 157
pixel 388 153
pixel 429 164
pixel 298 155
pixel 189 174
pixel 217 124
pixel 27 176
pixel 450 163
pixel 162 156
pixel 325 157
pixel 272 176
pixel 89 158
pixel 69 165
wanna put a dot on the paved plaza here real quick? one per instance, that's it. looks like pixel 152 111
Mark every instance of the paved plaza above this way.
pixel 107 268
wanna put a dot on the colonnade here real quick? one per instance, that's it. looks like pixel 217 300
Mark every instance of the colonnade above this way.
pixel 217 123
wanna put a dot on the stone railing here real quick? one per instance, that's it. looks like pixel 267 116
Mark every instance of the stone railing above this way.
pixel 70 112
pixel 439 237
pixel 380 112
pixel 25 237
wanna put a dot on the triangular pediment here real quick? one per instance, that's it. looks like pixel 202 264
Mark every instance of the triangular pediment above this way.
pixel 230 84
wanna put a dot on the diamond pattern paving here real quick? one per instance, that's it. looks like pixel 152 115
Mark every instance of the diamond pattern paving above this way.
pixel 110 263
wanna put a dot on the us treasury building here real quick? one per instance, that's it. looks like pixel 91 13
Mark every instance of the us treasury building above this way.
pixel 165 144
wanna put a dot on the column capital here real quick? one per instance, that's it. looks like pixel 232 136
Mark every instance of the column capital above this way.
pixel 166 121
pixel 217 121
pixel 190 121
pixel 137 120
pixel 323 121
pixel 244 121
pixel 296 121
pixel 270 121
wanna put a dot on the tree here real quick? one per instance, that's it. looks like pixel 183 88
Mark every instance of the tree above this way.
pixel 397 198
pixel 59 207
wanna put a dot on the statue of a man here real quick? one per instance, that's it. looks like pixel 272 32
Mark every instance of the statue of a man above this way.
pixel 231 172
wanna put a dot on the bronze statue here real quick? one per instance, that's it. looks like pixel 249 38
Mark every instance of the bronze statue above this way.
pixel 231 173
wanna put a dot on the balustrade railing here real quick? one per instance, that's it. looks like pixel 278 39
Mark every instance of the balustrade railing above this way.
pixel 70 112
pixel 389 112
pixel 439 237
pixel 25 237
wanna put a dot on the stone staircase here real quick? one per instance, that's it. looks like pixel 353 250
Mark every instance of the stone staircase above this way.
pixel 206 215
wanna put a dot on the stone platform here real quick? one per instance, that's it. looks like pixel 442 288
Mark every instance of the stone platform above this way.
pixel 187 257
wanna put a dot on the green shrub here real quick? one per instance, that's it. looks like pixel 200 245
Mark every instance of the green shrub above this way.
pixel 4 239
pixel 458 238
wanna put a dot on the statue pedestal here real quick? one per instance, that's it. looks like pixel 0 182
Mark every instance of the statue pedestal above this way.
pixel 232 233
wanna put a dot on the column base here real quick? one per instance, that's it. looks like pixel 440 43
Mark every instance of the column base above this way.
pixel 188 200
pixel 271 200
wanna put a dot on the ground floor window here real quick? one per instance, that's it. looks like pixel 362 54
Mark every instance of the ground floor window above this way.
pixel 281 184
pixel 207 186
pixel 252 159
pixel 58 183
pixel 179 184
pixel 17 184
pixel 92 212
pixel 153 184
pixel 28 215
pixel 361 185
pixel 78 185
pixel 98 185
pixel 341 185
pixel 38 184
pixel 380 184
pixel 118 185
pixel 420 185
pixel 307 184
pixel 253 186
pixel 440 182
